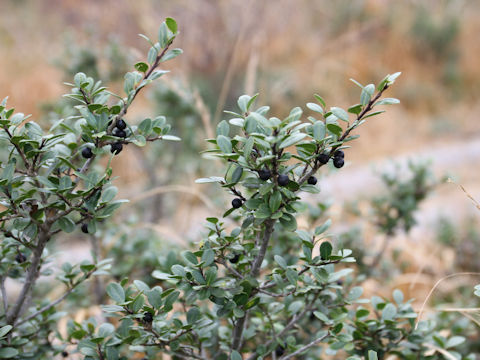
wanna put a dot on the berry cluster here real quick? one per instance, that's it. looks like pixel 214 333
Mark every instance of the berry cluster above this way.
pixel 338 158
pixel 115 148
pixel 118 131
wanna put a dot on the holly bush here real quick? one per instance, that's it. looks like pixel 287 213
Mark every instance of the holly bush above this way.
pixel 235 295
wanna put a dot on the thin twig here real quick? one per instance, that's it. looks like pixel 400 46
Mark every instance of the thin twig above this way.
pixel 306 347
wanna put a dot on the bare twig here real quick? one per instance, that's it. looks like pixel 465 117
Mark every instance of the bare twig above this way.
pixel 32 275
pixel 306 347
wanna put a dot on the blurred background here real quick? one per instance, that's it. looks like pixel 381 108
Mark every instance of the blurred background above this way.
pixel 421 227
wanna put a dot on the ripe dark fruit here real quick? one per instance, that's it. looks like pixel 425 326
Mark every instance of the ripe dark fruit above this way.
pixel 64 353
pixel 264 174
pixel 84 228
pixel 20 258
pixel 148 317
pixel 119 133
pixel 121 124
pixel 235 259
pixel 312 180
pixel 338 162
pixel 236 203
pixel 116 148
pixel 323 158
pixel 339 154
pixel 283 180
pixel 87 153
pixel 279 350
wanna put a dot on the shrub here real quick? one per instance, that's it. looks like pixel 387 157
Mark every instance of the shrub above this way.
pixel 255 287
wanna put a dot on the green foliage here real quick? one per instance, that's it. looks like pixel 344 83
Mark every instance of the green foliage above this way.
pixel 48 185
pixel 395 209
pixel 255 286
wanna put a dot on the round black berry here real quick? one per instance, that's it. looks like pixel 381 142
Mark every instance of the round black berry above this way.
pixel 64 353
pixel 119 133
pixel 312 180
pixel 339 154
pixel 148 317
pixel 84 228
pixel 20 258
pixel 236 203
pixel 283 180
pixel 338 162
pixel 264 174
pixel 279 350
pixel 235 259
pixel 87 153
pixel 323 158
pixel 116 148
pixel 121 124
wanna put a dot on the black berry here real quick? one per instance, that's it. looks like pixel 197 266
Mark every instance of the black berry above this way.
pixel 312 180
pixel 148 317
pixel 84 228
pixel 283 180
pixel 236 203
pixel 264 174
pixel 116 148
pixel 323 158
pixel 20 258
pixel 338 162
pixel 87 153
pixel 235 259
pixel 64 353
pixel 339 154
pixel 119 133
pixel 279 350
pixel 121 124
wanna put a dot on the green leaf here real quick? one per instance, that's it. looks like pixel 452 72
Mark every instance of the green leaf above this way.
pixel 322 228
pixel 289 222
pixel 242 102
pixel 315 107
pixel 398 296
pixel 319 130
pixel 280 261
pixel 320 100
pixel 387 101
pixel 235 355
pixel 8 352
pixel 454 341
pixel 171 138
pixel 224 144
pixel 193 315
pixel 275 201
pixel 366 94
pixel 172 54
pixel 325 250
pixel 66 224
pixel 291 140
pixel 339 113
pixel 237 174
pixel 190 257
pixel 163 35
pixel 208 257
pixel 141 66
pixel 334 129
pixel 116 292
pixel 171 24
pixel 372 355
pixel 4 330
pixel 389 312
